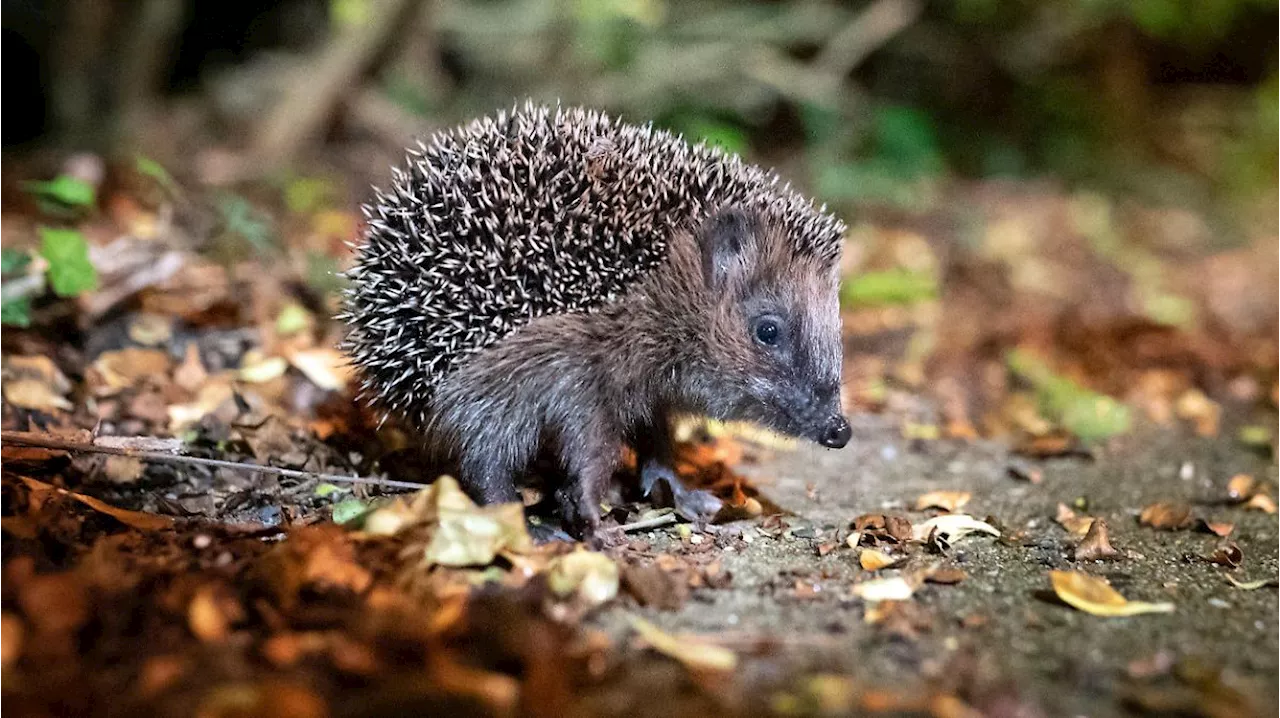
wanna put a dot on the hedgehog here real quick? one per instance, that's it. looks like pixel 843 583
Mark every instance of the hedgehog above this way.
pixel 553 281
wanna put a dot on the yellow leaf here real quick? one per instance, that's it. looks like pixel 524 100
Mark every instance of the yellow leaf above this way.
pixel 695 655
pixel 873 560
pixel 946 500
pixel 1095 596
pixel 884 589
pixel 592 576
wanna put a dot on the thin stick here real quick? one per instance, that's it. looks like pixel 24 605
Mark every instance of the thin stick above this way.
pixel 652 523
pixel 24 438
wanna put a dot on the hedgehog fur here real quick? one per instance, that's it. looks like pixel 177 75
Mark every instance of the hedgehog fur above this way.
pixel 527 213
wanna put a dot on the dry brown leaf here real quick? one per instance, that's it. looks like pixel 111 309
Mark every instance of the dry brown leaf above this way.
pixel 1096 545
pixel 1072 522
pixel 327 368
pixel 946 576
pixel 1166 516
pixel 695 655
pixel 951 527
pixel 1251 585
pixel 872 560
pixel 127 367
pixel 210 614
pixel 1200 410
pixel 191 374
pixel 1240 488
pixel 1217 528
pixel 258 368
pixel 12 632
pixel 35 382
pixel 135 519
pixel 1261 502
pixel 591 576
pixel 460 533
pixel 894 588
pixel 1095 596
pixel 1227 553
pixel 945 500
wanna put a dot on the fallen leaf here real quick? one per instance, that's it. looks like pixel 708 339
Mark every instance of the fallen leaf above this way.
pixel 190 374
pixel 1096 545
pixel 11 634
pixel 945 500
pixel 1095 596
pixel 35 382
pixel 1072 522
pixel 257 368
pixel 1240 488
pixel 894 588
pixel 123 469
pixel 1261 502
pixel 1227 553
pixel 947 576
pixel 951 527
pixel 694 655
pixel 211 613
pixel 1251 585
pixel 1166 516
pixel 327 368
pixel 134 519
pixel 460 532
pixel 1200 410
pixel 591 576
pixel 1217 528
pixel 872 560
pixel 127 367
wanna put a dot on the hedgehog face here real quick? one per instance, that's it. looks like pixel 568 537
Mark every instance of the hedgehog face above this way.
pixel 776 324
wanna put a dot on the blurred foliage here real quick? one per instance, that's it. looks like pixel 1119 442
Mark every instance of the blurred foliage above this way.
pixel 976 87
pixel 1086 414
pixel 70 272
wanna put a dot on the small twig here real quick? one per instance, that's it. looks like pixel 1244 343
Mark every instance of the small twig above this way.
pixel 652 523
pixel 40 441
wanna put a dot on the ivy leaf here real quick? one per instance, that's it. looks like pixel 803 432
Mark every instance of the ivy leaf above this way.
pixel 70 271
pixel 64 190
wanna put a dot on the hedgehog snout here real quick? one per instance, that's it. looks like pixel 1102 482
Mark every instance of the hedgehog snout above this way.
pixel 836 432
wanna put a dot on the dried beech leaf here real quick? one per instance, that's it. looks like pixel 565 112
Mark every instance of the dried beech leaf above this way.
pixel 1261 502
pixel 592 576
pixel 950 527
pixel 945 500
pixel 1095 596
pixel 872 560
pixel 1240 487
pixel 1096 544
pixel 695 655
pixel 1166 515
pixel 1072 522
pixel 895 588
pixel 1251 585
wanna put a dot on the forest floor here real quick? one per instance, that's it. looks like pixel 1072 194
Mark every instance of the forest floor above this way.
pixel 1060 498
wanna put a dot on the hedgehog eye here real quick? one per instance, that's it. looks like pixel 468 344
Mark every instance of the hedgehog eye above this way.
pixel 768 331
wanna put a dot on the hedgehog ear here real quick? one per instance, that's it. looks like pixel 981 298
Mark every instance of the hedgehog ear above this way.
pixel 728 241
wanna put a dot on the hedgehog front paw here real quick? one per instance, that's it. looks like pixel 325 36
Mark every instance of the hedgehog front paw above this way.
pixel 661 486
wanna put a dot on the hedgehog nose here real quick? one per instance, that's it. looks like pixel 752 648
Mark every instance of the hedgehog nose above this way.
pixel 836 433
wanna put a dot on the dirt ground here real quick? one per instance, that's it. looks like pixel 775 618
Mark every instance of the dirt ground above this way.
pixel 1045 657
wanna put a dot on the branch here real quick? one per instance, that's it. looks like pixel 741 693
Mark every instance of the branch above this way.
pixel 24 438
pixel 330 77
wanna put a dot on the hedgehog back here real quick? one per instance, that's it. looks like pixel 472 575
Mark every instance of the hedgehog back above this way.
pixel 527 213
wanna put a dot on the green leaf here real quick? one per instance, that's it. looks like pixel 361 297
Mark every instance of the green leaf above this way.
pixel 70 271
pixel 16 312
pixel 14 261
pixel 65 190
pixel 348 511
pixel 1085 413
pixel 307 194
pixel 150 168
pixel 906 139
pixel 324 490
pixel 894 286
